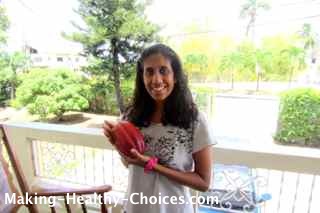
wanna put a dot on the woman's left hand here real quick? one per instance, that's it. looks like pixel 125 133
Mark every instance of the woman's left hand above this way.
pixel 138 158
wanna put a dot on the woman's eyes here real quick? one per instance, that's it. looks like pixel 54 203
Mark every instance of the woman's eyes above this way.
pixel 162 71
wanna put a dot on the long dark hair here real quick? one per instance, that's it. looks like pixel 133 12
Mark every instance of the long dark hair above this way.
pixel 179 108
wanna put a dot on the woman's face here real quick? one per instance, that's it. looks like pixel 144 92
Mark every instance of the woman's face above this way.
pixel 158 77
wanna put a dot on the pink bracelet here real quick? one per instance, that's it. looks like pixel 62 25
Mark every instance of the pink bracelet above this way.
pixel 152 162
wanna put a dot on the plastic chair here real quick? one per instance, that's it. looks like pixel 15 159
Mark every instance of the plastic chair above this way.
pixel 234 187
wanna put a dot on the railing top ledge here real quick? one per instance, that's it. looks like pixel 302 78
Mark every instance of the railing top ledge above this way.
pixel 261 148
pixel 54 128
pixel 263 155
pixel 271 148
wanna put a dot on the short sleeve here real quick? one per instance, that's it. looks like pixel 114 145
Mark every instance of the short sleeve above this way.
pixel 203 135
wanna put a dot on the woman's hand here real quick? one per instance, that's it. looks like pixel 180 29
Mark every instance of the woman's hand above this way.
pixel 138 159
pixel 107 130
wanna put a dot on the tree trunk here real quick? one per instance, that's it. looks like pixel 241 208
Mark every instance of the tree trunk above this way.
pixel 258 81
pixel 13 82
pixel 116 74
pixel 248 29
pixel 232 81
pixel 290 78
pixel 13 91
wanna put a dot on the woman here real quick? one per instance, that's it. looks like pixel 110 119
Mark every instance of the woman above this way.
pixel 176 135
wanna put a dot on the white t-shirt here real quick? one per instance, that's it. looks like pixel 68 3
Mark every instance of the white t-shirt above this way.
pixel 173 146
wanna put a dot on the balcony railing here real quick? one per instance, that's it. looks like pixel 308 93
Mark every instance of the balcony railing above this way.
pixel 69 154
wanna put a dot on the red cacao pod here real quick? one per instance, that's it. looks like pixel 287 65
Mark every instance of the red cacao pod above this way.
pixel 126 137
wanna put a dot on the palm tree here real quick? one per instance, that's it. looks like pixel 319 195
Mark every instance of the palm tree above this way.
pixel 263 59
pixel 196 64
pixel 310 39
pixel 296 57
pixel 232 62
pixel 250 10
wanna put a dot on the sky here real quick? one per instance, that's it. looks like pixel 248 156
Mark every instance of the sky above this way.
pixel 40 22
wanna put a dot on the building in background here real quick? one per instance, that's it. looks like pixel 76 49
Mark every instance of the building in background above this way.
pixel 44 58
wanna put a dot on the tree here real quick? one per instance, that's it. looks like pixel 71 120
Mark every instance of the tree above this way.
pixel 296 56
pixel 11 64
pixel 232 62
pixel 115 32
pixel 250 9
pixel 310 40
pixel 45 92
pixel 200 53
pixel 262 58
pixel 276 64
pixel 4 76
pixel 196 64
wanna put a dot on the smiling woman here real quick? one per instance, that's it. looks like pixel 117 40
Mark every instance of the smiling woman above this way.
pixel 176 134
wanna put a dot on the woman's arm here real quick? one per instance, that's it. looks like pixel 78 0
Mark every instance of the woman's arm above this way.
pixel 199 179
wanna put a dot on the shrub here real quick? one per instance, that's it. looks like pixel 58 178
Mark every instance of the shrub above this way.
pixel 51 92
pixel 203 97
pixel 127 88
pixel 299 117
pixel 102 98
pixel 5 83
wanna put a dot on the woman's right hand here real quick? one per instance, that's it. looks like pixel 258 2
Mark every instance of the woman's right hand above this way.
pixel 107 130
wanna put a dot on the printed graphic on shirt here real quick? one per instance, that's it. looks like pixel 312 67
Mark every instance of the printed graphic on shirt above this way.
pixel 164 146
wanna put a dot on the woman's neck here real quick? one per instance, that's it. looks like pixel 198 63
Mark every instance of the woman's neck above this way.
pixel 156 116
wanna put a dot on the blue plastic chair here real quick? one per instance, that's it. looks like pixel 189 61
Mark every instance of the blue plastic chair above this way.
pixel 234 186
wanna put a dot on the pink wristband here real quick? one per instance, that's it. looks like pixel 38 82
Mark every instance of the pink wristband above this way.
pixel 152 162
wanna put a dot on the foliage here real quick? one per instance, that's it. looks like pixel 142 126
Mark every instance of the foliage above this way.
pixel 10 65
pixel 4 76
pixel 197 57
pixel 100 95
pixel 299 117
pixel 197 63
pixel 4 25
pixel 296 59
pixel 203 97
pixel 282 59
pixel 239 64
pixel 114 33
pixel 230 63
pixel 45 92
pixel 208 58
pixel 201 54
pixel 309 37
pixel 127 89
pixel 102 98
